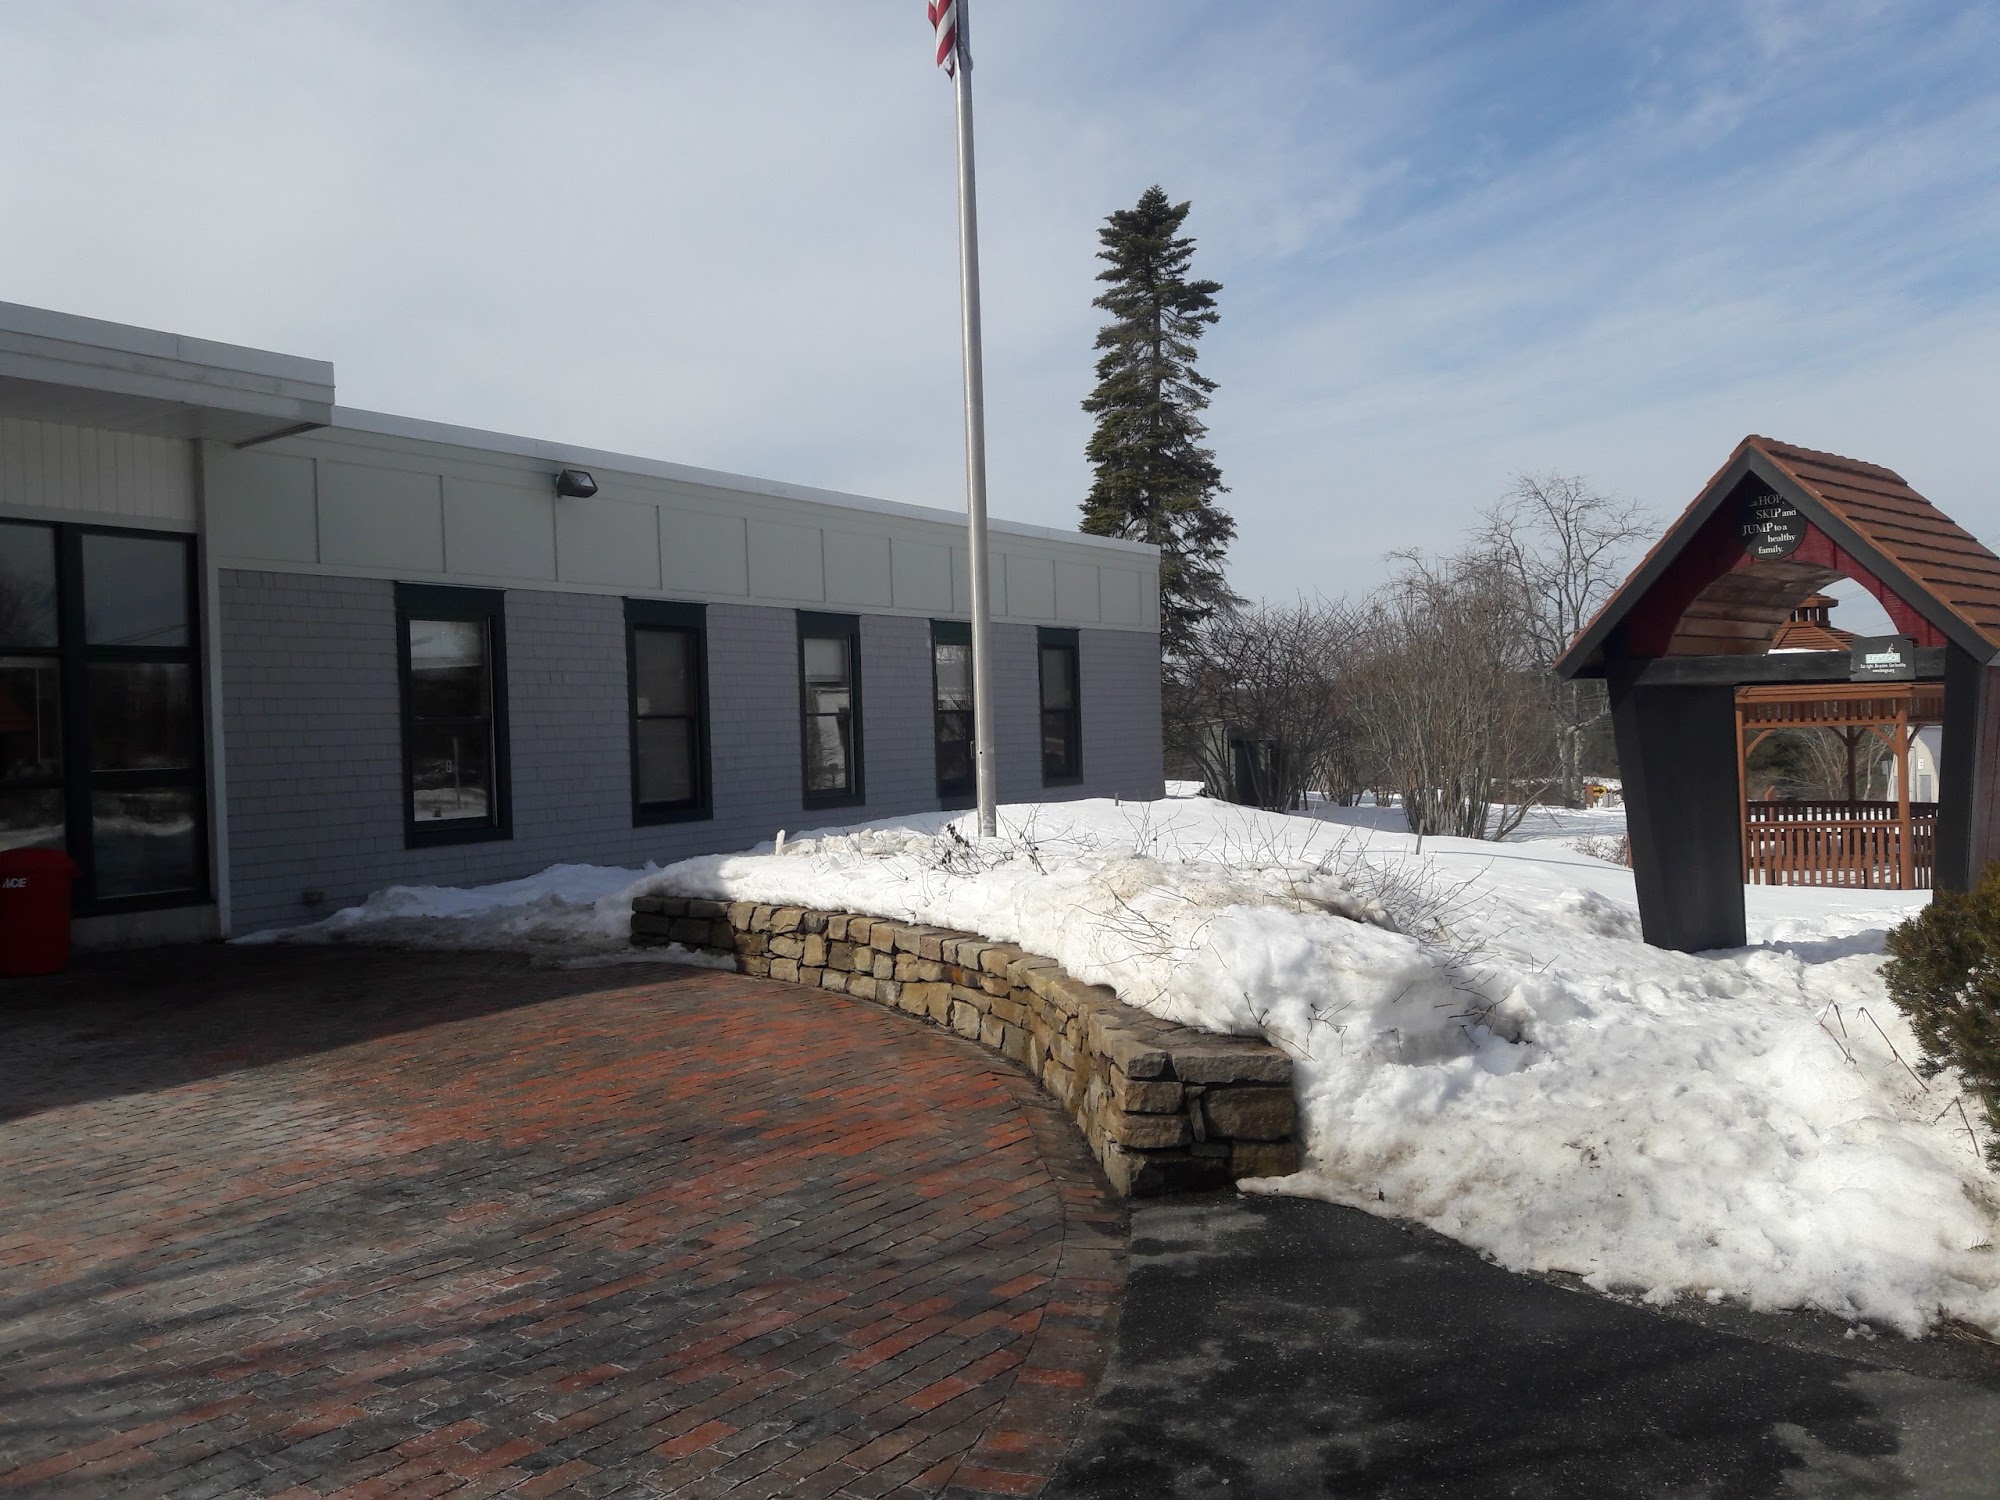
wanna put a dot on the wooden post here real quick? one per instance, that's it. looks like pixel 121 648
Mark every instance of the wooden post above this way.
pixel 1678 778
pixel 1906 866
pixel 1742 787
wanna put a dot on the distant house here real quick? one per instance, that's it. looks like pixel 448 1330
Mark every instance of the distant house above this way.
pixel 261 654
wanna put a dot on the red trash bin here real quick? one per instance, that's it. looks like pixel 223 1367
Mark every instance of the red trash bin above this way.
pixel 34 911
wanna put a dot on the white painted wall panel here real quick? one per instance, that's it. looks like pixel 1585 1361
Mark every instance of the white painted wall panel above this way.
pixel 702 552
pixel 857 568
pixel 261 506
pixel 56 467
pixel 1118 591
pixel 1076 592
pixel 380 518
pixel 785 561
pixel 921 574
pixel 996 583
pixel 499 531
pixel 608 541
pixel 397 505
pixel 1031 587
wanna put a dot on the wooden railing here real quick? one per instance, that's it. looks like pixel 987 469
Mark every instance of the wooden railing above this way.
pixel 1838 843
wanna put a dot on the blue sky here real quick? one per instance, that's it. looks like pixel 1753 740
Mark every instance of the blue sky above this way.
pixel 1455 244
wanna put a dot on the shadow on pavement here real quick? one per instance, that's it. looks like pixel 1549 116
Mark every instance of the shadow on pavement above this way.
pixel 131 1022
pixel 1276 1347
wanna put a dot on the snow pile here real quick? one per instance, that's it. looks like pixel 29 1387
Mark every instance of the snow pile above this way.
pixel 583 908
pixel 1483 1043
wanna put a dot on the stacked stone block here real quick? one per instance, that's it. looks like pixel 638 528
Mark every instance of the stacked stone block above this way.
pixel 1166 1108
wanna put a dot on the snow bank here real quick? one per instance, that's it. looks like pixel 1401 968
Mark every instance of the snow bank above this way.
pixel 1483 1043
pixel 566 908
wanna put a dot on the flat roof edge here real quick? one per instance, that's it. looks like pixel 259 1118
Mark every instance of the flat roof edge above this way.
pixel 122 338
pixel 417 429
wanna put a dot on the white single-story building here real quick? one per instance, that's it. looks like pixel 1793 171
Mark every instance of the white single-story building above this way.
pixel 261 654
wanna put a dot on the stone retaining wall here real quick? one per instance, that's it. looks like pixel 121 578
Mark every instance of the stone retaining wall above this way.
pixel 1167 1109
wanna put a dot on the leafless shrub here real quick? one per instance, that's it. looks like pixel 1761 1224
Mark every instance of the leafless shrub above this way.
pixel 1261 695
pixel 1451 709
pixel 1613 851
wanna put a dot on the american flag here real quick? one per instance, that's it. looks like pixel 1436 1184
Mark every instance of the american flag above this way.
pixel 944 21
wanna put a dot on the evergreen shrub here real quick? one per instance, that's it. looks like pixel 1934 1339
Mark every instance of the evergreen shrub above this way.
pixel 1944 975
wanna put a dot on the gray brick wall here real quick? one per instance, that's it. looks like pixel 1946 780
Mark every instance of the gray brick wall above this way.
pixel 313 736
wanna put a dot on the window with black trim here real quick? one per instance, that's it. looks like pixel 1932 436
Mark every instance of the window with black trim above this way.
pixel 100 710
pixel 1062 714
pixel 951 693
pixel 830 708
pixel 666 652
pixel 452 649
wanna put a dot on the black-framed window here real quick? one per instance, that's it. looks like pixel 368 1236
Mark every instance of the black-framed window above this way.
pixel 451 647
pixel 666 654
pixel 951 696
pixel 830 708
pixel 100 710
pixel 1062 710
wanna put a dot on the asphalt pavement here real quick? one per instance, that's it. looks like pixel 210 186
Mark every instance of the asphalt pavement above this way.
pixel 1278 1347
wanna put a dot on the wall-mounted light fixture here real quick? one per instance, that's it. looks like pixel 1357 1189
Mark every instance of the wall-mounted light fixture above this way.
pixel 576 484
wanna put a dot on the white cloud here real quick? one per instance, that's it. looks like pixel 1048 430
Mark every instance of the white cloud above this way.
pixel 1452 246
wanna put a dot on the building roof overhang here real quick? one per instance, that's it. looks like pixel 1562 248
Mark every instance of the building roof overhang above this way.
pixel 57 367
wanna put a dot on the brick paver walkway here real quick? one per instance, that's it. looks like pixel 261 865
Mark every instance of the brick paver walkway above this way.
pixel 338 1222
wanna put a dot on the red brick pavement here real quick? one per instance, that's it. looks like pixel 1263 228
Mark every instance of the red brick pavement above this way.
pixel 352 1223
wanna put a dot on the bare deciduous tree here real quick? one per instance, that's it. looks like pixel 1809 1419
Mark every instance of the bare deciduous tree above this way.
pixel 1566 547
pixel 1266 686
pixel 1451 704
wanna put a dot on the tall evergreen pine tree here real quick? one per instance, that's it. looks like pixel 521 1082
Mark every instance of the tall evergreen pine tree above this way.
pixel 1155 482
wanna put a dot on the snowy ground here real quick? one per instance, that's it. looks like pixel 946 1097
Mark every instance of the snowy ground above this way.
pixel 1483 1043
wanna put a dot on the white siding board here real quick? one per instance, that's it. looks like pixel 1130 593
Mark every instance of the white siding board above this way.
pixel 1076 593
pixel 920 575
pixel 261 506
pixel 785 561
pixel 380 518
pixel 610 542
pixel 702 552
pixel 53 466
pixel 646 534
pixel 857 568
pixel 1118 590
pixel 499 531
pixel 1031 587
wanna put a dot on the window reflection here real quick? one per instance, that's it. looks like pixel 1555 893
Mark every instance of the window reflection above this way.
pixel 31 820
pixel 134 590
pixel 30 719
pixel 141 716
pixel 829 715
pixel 451 725
pixel 27 585
pixel 145 842
pixel 667 699
pixel 952 662
pixel 666 760
pixel 1061 724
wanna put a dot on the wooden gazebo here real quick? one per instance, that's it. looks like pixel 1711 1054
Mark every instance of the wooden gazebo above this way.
pixel 1853 840
pixel 1695 623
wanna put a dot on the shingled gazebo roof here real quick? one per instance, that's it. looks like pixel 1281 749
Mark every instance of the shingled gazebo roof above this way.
pixel 1873 523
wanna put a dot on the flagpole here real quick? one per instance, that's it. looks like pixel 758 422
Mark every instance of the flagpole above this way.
pixel 975 440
